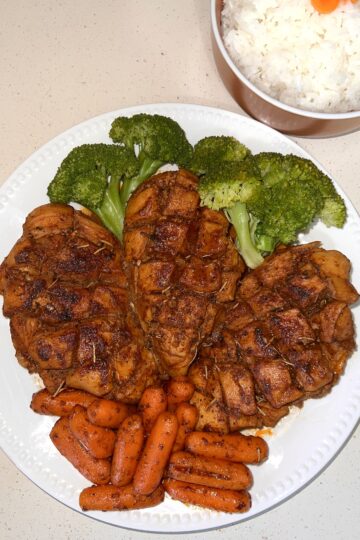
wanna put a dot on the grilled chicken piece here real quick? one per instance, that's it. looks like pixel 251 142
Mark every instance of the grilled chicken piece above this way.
pixel 83 316
pixel 181 264
pixel 66 295
pixel 286 338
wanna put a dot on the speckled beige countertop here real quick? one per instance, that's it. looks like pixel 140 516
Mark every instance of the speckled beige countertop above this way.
pixel 62 62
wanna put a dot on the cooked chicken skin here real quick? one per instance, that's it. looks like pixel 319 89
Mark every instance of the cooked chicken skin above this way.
pixel 286 337
pixel 66 295
pixel 182 265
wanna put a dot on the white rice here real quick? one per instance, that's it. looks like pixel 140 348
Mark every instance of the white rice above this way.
pixel 294 54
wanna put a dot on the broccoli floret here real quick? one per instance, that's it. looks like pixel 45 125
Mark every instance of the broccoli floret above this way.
pixel 269 198
pixel 271 167
pixel 102 177
pixel 91 175
pixel 211 151
pixel 228 183
pixel 157 140
pixel 333 213
pixel 89 187
pixel 284 210
pixel 278 169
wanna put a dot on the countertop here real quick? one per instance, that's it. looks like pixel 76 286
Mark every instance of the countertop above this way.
pixel 62 62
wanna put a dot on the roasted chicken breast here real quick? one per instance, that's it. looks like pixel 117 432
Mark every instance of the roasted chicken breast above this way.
pixel 179 300
pixel 181 264
pixel 286 337
pixel 66 295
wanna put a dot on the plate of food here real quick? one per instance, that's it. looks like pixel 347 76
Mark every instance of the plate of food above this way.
pixel 179 294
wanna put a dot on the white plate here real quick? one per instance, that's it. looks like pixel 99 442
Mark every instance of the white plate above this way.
pixel 301 445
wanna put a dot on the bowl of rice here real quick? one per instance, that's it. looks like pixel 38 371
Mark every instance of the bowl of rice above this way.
pixel 289 65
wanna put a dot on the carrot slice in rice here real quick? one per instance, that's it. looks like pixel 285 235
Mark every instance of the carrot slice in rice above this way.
pixel 325 6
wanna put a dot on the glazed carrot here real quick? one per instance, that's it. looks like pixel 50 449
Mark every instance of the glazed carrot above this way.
pixel 152 402
pixel 211 472
pixel 233 447
pixel 179 389
pixel 61 404
pixel 118 498
pixel 128 446
pixel 94 469
pixel 155 456
pixel 187 416
pixel 222 500
pixel 108 413
pixel 325 6
pixel 99 441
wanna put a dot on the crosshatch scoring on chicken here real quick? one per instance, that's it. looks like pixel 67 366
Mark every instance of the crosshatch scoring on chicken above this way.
pixel 66 295
pixel 178 299
pixel 286 337
pixel 181 263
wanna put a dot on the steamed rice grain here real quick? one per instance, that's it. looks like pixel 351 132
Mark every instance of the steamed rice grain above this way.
pixel 294 54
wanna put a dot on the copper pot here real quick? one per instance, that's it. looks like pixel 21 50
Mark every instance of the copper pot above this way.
pixel 282 117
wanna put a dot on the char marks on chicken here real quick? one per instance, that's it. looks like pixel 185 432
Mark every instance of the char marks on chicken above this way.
pixel 178 301
pixel 66 295
pixel 286 338
pixel 182 265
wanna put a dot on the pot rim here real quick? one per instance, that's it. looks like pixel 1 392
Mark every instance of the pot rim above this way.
pixel 260 93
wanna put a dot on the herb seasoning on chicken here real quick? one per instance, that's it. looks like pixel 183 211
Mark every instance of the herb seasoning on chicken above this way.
pixel 286 338
pixel 66 295
pixel 182 264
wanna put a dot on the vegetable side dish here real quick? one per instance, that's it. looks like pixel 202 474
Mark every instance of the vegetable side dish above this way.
pixel 176 310
pixel 133 455
pixel 92 174
pixel 268 197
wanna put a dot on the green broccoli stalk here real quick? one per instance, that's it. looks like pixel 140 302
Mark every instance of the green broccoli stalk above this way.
pixel 240 219
pixel 91 175
pixel 157 140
